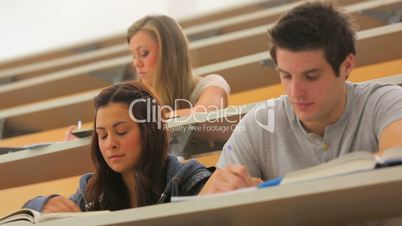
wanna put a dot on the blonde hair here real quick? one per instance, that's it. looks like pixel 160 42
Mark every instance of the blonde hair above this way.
pixel 174 79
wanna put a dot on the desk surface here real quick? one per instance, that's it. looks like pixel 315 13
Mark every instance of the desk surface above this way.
pixel 55 161
pixel 261 13
pixel 209 51
pixel 332 201
pixel 41 164
pixel 30 117
pixel 72 158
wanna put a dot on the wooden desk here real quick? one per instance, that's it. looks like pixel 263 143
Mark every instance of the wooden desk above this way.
pixel 253 39
pixel 105 42
pixel 331 201
pixel 56 161
pixel 116 46
pixel 15 197
pixel 30 117
pixel 48 163
pixel 260 70
pixel 249 42
pixel 258 14
pixel 370 72
pixel 71 158
pixel 205 132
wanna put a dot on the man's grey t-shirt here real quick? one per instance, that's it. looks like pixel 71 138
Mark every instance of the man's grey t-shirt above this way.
pixel 370 107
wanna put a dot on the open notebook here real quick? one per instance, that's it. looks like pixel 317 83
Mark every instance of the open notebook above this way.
pixel 354 162
pixel 350 163
pixel 33 216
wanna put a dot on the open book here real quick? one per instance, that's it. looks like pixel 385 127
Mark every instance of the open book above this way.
pixel 36 217
pixel 346 164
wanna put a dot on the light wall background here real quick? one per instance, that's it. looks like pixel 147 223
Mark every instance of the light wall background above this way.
pixel 32 26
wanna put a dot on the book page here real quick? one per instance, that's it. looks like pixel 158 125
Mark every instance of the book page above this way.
pixel 390 156
pixel 32 216
pixel 61 215
pixel 21 215
pixel 349 163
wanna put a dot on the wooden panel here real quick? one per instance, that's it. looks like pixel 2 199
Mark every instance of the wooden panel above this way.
pixel 14 198
pixel 363 20
pixel 58 160
pixel 359 74
pixel 330 201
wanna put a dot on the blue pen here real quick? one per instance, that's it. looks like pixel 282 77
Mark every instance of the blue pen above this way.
pixel 270 183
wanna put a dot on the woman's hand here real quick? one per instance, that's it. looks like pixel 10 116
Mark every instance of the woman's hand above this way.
pixel 60 204
pixel 68 135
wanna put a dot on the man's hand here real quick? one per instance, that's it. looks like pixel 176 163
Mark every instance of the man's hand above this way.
pixel 229 178
pixel 60 204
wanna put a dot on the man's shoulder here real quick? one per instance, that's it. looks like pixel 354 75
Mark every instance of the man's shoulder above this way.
pixel 373 91
pixel 370 87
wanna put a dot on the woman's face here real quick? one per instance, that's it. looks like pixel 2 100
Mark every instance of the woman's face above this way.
pixel 119 137
pixel 144 49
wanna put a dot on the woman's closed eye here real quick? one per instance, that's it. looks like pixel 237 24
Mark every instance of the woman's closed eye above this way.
pixel 122 129
pixel 144 53
pixel 102 136
pixel 121 133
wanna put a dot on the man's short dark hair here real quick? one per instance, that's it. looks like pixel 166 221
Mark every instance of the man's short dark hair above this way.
pixel 313 26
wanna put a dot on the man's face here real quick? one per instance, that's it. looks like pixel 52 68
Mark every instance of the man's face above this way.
pixel 316 94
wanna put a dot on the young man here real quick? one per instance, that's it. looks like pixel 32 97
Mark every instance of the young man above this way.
pixel 322 116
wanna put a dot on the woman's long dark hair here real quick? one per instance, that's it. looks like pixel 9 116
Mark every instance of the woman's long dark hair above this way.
pixel 106 189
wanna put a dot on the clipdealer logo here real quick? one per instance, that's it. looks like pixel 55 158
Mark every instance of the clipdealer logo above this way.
pixel 197 114
pixel 270 105
pixel 230 115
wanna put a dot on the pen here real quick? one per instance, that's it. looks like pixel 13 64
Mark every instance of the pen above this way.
pixel 79 124
pixel 162 198
pixel 270 183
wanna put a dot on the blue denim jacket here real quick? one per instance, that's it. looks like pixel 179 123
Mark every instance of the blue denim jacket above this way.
pixel 182 179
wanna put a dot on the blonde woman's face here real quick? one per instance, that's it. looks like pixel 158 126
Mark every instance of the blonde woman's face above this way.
pixel 144 50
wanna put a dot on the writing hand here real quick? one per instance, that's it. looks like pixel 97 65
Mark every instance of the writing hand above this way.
pixel 229 178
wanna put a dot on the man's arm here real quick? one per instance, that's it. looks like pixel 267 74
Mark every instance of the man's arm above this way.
pixel 229 178
pixel 391 136
pixel 239 163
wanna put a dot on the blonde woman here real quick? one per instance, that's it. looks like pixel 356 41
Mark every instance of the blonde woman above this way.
pixel 162 59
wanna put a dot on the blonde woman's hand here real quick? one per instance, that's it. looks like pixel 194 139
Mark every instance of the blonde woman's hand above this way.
pixel 68 135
